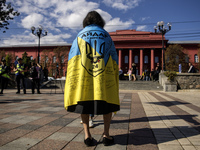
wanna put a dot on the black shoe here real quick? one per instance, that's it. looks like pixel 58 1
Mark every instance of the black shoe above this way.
pixel 17 92
pixel 39 93
pixel 107 142
pixel 1 92
pixel 89 142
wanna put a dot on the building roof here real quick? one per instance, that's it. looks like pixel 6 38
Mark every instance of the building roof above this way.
pixel 36 45
pixel 183 42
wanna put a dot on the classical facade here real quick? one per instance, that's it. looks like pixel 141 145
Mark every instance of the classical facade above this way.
pixel 139 47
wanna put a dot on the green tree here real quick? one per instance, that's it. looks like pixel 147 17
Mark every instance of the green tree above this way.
pixel 175 55
pixel 61 55
pixel 9 59
pixel 6 13
pixel 46 60
pixel 2 54
pixel 26 59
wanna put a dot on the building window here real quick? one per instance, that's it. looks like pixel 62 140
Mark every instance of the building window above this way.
pixel 61 72
pixel 31 57
pixel 196 58
pixel 54 59
pixel 62 59
pixel 177 58
pixel 157 60
pixel 136 59
pixel 53 72
pixel 146 59
pixel 126 60
pixel 46 59
pixel 186 59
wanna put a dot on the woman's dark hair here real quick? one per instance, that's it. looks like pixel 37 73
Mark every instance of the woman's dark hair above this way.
pixel 93 17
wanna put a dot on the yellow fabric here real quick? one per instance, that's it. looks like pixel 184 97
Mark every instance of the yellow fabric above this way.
pixel 20 69
pixel 5 75
pixel 82 86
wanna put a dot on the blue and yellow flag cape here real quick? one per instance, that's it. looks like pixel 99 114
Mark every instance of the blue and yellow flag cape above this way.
pixel 92 73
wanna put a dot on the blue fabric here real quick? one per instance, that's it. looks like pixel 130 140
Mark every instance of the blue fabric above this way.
pixel 90 34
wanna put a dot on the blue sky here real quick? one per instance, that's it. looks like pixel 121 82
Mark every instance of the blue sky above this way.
pixel 63 18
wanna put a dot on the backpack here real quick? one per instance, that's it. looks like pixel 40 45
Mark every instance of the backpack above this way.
pixel 33 72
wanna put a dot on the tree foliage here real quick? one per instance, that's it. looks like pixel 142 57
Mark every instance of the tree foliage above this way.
pixel 9 58
pixel 46 54
pixel 61 55
pixel 6 13
pixel 2 54
pixel 175 55
pixel 61 60
pixel 26 59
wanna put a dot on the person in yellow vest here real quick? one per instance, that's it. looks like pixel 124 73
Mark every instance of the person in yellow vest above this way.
pixel 19 72
pixel 4 77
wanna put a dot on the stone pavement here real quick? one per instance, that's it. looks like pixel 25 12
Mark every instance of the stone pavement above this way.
pixel 148 120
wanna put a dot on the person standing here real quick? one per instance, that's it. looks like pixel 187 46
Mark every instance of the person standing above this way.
pixel 158 68
pixel 191 68
pixel 19 73
pixel 152 74
pixel 45 72
pixel 134 71
pixel 4 77
pixel 147 75
pixel 121 74
pixel 130 74
pixel 92 76
pixel 34 71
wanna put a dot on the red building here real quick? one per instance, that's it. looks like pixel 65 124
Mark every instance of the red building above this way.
pixel 139 47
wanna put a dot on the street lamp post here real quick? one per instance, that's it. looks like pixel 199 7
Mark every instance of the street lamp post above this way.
pixel 38 32
pixel 160 28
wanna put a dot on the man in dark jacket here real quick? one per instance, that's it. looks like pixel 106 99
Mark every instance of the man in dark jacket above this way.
pixel 191 69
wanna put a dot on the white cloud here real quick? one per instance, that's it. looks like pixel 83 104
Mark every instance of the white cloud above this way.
pixel 117 24
pixel 145 18
pixel 106 16
pixel 122 4
pixel 29 38
pixel 141 28
pixel 61 16
pixel 32 20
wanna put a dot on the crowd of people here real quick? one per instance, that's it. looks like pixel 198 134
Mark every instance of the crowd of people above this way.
pixel 35 73
pixel 147 75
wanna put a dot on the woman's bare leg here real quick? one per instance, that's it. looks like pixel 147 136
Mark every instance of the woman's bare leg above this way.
pixel 107 120
pixel 85 119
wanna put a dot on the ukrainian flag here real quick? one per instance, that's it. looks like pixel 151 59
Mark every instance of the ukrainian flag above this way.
pixel 92 81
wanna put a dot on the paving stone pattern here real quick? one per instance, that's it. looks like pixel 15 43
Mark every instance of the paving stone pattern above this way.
pixel 148 120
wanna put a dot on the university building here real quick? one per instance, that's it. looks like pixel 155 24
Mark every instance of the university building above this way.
pixel 139 47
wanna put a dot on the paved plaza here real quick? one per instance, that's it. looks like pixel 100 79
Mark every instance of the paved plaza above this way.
pixel 148 120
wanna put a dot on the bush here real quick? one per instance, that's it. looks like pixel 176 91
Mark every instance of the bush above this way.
pixel 170 74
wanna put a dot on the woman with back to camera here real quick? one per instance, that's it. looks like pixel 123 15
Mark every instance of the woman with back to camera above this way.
pixel 92 76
